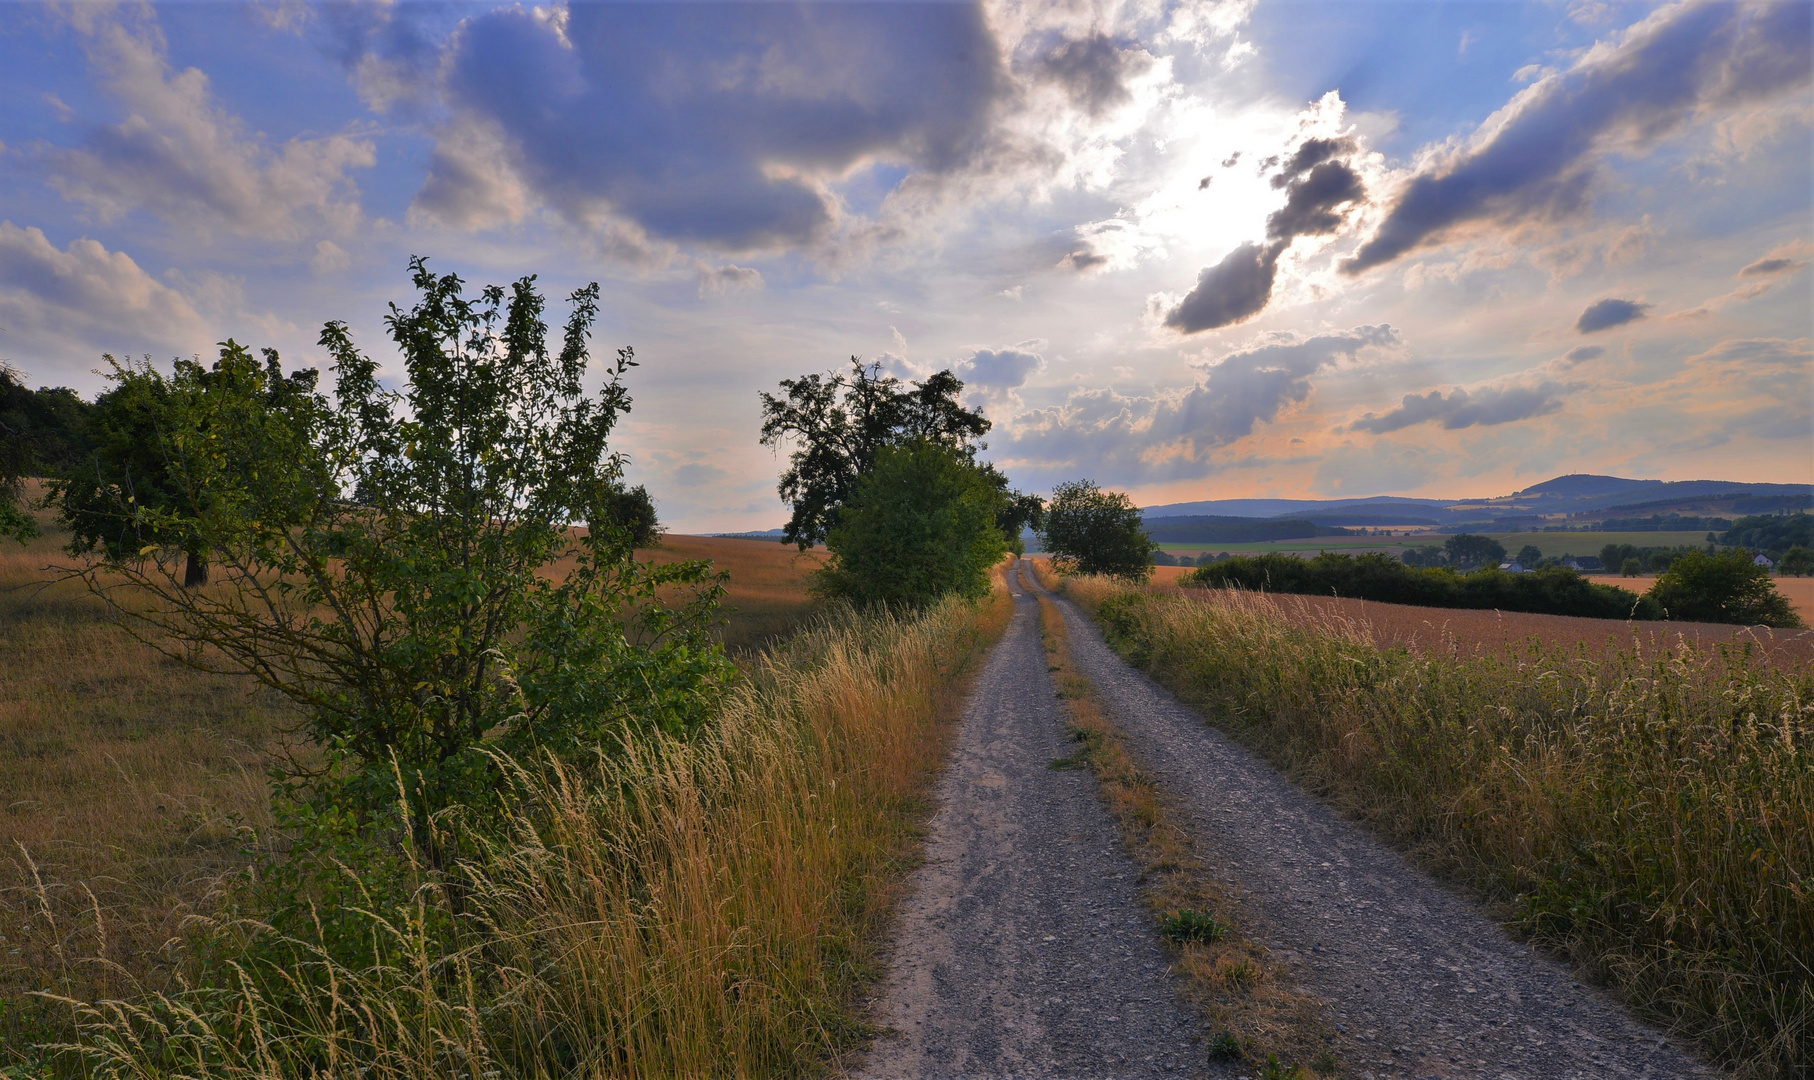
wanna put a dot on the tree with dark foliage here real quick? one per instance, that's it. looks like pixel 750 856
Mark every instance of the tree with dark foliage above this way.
pixel 1728 587
pixel 42 434
pixel 134 490
pixel 1092 531
pixel 920 525
pixel 840 422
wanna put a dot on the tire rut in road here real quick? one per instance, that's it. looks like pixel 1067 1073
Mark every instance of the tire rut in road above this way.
pixel 1023 949
pixel 1423 984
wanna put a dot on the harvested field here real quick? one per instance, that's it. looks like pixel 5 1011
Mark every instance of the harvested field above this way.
pixel 1463 630
pixel 766 598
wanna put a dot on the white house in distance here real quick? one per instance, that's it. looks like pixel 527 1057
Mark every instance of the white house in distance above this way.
pixel 1513 567
pixel 1764 561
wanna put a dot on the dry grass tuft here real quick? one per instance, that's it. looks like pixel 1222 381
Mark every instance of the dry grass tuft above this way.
pixel 1647 812
pixel 1248 999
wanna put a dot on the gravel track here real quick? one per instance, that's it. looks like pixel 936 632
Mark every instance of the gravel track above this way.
pixel 1422 982
pixel 1023 949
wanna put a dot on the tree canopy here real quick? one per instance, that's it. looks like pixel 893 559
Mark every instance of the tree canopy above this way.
pixel 839 422
pixel 1473 549
pixel 1726 587
pixel 921 524
pixel 1091 531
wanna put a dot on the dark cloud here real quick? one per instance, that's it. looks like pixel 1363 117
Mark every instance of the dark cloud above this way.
pixel 1081 259
pixel 1234 289
pixel 1312 153
pixel 1538 161
pixel 1312 208
pixel 1229 161
pixel 709 123
pixel 1239 286
pixel 1608 313
pixel 1584 352
pixel 1770 266
pixel 1095 71
pixel 1244 389
pixel 1204 183
pixel 1461 409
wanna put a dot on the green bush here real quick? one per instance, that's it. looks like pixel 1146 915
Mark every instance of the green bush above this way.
pixel 1797 562
pixel 1092 531
pixel 1375 576
pixel 1725 588
pixel 921 524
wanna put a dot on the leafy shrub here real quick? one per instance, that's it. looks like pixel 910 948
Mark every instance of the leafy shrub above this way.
pixel 1727 588
pixel 1188 925
pixel 1375 576
pixel 921 524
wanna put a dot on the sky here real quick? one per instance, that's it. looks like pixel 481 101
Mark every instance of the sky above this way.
pixel 1189 250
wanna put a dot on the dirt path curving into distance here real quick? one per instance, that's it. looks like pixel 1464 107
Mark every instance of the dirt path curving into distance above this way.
pixel 1023 949
pixel 1421 982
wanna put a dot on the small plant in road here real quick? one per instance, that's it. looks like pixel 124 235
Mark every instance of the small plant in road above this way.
pixel 1188 925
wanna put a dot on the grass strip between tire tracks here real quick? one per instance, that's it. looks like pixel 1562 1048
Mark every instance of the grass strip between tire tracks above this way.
pixel 1254 1011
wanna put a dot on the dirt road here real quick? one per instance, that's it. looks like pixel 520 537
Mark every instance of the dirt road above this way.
pixel 1422 984
pixel 1023 949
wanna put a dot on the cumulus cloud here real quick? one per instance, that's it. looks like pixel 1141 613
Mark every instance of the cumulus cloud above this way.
pixel 1094 71
pixel 1608 313
pixel 1460 408
pixel 1536 157
pixel 1764 267
pixel 1232 290
pixel 183 157
pixel 1001 369
pixel 1239 287
pixel 1582 353
pixel 719 126
pixel 1141 437
pixel 64 306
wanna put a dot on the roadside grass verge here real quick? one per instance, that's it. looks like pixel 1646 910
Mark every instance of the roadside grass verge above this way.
pixel 699 908
pixel 1254 1011
pixel 1649 814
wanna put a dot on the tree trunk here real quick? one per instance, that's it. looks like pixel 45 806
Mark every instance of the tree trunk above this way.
pixel 195 574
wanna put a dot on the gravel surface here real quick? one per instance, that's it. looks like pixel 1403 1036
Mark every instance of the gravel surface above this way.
pixel 1422 983
pixel 1023 949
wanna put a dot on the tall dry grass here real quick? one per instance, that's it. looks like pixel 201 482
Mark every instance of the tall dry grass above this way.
pixel 703 908
pixel 1651 815
pixel 128 787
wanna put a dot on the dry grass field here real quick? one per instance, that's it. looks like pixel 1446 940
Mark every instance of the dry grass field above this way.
pixel 133 783
pixel 1461 630
pixel 1641 809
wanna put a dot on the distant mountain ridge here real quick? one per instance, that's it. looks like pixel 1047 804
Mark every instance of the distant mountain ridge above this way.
pixel 1573 494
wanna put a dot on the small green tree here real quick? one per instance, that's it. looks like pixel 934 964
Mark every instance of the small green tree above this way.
pixel 138 490
pixel 1092 531
pixel 838 423
pixel 1796 562
pixel 1473 549
pixel 1529 556
pixel 387 559
pixel 1727 587
pixel 16 460
pixel 1631 567
pixel 921 524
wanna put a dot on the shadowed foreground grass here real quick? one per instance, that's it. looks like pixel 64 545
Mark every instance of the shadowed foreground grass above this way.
pixel 702 908
pixel 134 793
pixel 1651 817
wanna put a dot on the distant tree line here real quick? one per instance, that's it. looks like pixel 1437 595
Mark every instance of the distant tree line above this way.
pixel 1234 530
